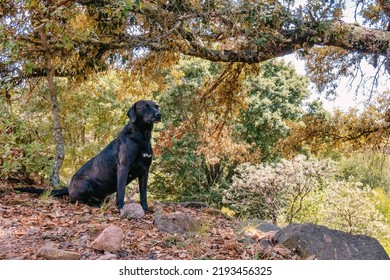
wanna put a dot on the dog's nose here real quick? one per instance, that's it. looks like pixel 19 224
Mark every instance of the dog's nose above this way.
pixel 157 115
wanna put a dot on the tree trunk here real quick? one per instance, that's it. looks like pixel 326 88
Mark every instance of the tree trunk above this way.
pixel 58 137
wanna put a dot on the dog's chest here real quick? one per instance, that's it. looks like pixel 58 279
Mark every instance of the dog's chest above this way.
pixel 146 155
pixel 141 164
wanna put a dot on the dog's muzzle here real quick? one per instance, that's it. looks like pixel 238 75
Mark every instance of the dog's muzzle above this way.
pixel 157 117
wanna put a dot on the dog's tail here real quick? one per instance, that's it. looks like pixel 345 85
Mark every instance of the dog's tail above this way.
pixel 54 193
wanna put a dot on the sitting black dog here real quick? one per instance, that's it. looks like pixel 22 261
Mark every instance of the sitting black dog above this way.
pixel 127 157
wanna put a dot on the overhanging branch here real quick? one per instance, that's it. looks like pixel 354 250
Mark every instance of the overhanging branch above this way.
pixel 350 37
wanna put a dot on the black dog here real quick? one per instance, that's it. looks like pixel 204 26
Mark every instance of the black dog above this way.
pixel 127 157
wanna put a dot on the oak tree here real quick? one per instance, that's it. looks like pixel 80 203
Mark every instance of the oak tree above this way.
pixel 73 38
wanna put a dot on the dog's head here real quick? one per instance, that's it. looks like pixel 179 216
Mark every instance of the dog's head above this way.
pixel 145 112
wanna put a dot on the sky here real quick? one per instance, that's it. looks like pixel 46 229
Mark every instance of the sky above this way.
pixel 346 91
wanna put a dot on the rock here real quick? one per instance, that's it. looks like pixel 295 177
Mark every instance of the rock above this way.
pixel 173 223
pixel 84 240
pixel 326 244
pixel 19 258
pixel 108 256
pixel 109 240
pixel 61 231
pixel 132 211
pixel 267 227
pixel 265 243
pixel 50 253
pixel 32 231
pixel 123 253
pixel 193 204
pixel 49 236
pixel 259 225
pixel 65 244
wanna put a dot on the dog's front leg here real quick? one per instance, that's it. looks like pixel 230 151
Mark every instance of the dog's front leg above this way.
pixel 143 182
pixel 126 158
pixel 123 171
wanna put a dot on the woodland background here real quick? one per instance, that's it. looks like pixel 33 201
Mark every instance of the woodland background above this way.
pixel 239 131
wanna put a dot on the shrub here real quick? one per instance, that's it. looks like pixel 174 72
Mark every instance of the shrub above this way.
pixel 383 203
pixel 351 207
pixel 269 190
pixel 178 174
pixel 21 154
pixel 368 168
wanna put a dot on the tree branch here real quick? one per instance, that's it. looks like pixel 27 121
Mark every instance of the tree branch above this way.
pixel 173 25
pixel 351 37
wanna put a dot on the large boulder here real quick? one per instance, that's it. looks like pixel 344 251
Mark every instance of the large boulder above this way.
pixel 110 240
pixel 326 244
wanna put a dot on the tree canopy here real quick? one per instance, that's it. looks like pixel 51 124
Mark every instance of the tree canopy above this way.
pixel 47 39
pixel 92 35
pixel 235 116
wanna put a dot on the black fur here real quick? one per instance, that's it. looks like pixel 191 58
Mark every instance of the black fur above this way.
pixel 126 158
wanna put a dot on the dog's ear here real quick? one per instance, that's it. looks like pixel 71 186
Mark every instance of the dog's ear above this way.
pixel 132 113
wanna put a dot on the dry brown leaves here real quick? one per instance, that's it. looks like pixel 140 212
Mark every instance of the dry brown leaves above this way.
pixel 27 223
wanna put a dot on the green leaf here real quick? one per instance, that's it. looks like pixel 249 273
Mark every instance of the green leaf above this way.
pixel 29 68
pixel 139 4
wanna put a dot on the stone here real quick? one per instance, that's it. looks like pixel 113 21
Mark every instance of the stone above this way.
pixel 310 240
pixel 267 227
pixel 19 258
pixel 108 256
pixel 49 236
pixel 110 240
pixel 84 240
pixel 123 253
pixel 61 231
pixel 193 204
pixel 173 223
pixel 265 243
pixel 132 211
pixel 259 225
pixel 32 231
pixel 50 253
pixel 65 244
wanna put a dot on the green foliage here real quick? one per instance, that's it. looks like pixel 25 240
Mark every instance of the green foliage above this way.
pixel 383 205
pixel 184 80
pixel 93 114
pixel 274 97
pixel 371 169
pixel 201 145
pixel 182 172
pixel 22 153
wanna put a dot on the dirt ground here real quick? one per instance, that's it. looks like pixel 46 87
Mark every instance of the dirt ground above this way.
pixel 29 222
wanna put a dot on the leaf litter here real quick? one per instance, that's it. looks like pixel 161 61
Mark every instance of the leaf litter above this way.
pixel 27 224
